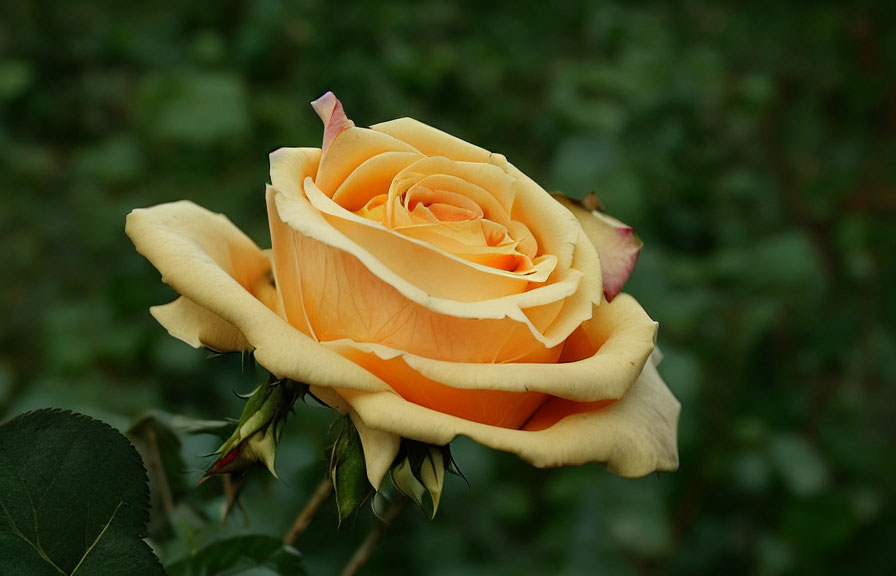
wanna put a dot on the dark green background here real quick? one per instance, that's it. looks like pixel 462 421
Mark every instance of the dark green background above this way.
pixel 751 145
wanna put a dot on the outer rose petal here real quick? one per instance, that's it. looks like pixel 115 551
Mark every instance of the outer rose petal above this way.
pixel 610 352
pixel 432 141
pixel 198 327
pixel 329 108
pixel 634 436
pixel 211 263
pixel 616 244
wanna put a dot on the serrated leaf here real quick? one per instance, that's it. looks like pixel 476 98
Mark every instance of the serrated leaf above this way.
pixel 237 555
pixel 73 498
pixel 348 471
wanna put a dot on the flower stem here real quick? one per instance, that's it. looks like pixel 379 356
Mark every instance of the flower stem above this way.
pixel 366 549
pixel 303 520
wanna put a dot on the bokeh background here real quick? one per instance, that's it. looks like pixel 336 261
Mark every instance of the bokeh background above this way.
pixel 750 144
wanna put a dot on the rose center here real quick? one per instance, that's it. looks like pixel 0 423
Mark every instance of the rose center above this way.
pixel 451 221
pixel 440 205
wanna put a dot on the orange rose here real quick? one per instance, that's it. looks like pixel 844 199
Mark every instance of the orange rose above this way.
pixel 428 288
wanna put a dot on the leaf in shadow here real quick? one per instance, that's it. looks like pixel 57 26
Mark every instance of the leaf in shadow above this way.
pixel 73 498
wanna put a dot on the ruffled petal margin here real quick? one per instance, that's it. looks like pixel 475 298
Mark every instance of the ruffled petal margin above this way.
pixel 634 436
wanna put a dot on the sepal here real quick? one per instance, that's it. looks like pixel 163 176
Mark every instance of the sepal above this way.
pixel 420 469
pixel 348 471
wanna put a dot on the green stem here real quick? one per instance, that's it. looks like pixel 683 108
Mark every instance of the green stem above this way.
pixel 367 548
pixel 303 520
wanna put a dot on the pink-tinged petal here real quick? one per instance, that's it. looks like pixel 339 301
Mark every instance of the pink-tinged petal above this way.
pixel 617 245
pixel 329 108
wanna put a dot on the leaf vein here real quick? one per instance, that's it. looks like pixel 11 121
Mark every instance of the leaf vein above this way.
pixel 25 539
pixel 98 536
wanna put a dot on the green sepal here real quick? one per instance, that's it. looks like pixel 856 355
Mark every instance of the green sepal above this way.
pixel 247 357
pixel 407 483
pixel 420 468
pixel 348 470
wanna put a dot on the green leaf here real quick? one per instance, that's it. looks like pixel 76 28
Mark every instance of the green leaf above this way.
pixel 73 498
pixel 348 470
pixel 407 482
pixel 241 555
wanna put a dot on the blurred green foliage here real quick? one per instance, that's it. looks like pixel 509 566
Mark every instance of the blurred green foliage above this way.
pixel 751 145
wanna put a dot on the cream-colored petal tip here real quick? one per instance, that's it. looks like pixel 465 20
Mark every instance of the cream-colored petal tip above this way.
pixel 193 324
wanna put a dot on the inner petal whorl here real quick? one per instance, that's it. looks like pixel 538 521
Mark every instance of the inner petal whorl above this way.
pixel 446 206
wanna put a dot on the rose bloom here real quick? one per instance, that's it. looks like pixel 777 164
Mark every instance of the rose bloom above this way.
pixel 428 288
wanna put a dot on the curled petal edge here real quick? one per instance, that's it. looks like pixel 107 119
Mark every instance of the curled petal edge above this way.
pixel 201 254
pixel 634 436
pixel 621 338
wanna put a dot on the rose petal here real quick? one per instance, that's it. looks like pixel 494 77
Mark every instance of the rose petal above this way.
pixel 371 178
pixel 287 272
pixel 554 231
pixel 634 436
pixel 485 184
pixel 620 338
pixel 615 345
pixel 616 244
pixel 198 327
pixel 432 141
pixel 504 408
pixel 210 262
pixel 373 310
pixel 445 275
pixel 329 108
pixel 351 148
pixel 290 167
